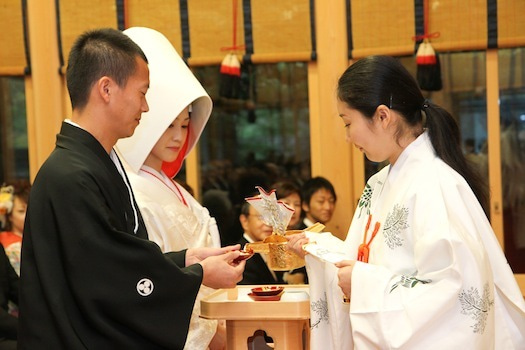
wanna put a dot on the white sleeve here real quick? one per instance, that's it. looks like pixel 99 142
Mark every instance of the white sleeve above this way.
pixel 155 225
pixel 329 321
pixel 444 301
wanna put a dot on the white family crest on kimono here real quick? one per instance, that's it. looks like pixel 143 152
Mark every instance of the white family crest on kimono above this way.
pixel 436 276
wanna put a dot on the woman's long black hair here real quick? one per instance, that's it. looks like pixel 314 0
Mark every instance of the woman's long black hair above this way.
pixel 377 80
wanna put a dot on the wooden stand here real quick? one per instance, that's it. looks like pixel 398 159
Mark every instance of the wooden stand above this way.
pixel 286 321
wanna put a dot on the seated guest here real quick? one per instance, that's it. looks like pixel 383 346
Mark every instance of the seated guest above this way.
pixel 290 194
pixel 14 200
pixel 319 199
pixel 8 293
pixel 255 230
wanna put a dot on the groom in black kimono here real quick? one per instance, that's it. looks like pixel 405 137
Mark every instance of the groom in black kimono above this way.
pixel 90 277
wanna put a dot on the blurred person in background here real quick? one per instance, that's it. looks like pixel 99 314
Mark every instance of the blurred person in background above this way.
pixel 318 201
pixel 14 196
pixel 255 230
pixel 290 194
pixel 8 295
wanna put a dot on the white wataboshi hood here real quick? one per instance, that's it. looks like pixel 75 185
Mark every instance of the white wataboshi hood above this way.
pixel 172 88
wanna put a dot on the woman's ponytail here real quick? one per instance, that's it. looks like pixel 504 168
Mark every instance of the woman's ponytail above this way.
pixel 445 136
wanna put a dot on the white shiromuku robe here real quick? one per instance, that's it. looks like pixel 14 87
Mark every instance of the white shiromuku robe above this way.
pixel 171 224
pixel 436 277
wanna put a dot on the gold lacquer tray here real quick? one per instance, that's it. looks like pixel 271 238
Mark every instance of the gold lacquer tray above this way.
pixel 235 304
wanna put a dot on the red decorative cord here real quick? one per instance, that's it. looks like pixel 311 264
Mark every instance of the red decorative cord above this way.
pixel 364 248
pixel 426 35
pixel 235 47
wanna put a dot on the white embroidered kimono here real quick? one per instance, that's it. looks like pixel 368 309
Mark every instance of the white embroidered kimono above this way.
pixel 171 224
pixel 173 218
pixel 436 276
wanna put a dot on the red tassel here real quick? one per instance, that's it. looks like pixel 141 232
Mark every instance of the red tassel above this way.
pixel 230 84
pixel 230 65
pixel 428 68
pixel 425 54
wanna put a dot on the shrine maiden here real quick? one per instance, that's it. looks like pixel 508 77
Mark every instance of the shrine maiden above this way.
pixel 425 269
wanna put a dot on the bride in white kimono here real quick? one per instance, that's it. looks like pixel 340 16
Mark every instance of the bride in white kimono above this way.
pixel 179 108
pixel 422 266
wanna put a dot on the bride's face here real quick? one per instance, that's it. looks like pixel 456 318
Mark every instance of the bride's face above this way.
pixel 170 143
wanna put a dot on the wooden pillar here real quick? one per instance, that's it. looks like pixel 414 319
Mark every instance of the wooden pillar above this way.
pixel 193 171
pixel 44 88
pixel 331 156
pixel 494 150
pixel 494 154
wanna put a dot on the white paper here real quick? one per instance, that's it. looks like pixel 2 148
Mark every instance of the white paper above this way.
pixel 326 247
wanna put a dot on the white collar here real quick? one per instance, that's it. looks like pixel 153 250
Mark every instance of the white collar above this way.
pixel 70 122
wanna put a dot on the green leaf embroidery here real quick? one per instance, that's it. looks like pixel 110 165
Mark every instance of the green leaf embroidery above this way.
pixel 364 201
pixel 409 282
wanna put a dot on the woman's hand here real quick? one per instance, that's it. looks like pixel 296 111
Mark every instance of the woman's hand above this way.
pixel 345 276
pixel 296 242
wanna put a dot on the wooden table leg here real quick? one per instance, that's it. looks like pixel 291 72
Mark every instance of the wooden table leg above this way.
pixel 286 334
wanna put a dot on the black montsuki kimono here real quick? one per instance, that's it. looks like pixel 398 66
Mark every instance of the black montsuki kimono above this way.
pixel 88 281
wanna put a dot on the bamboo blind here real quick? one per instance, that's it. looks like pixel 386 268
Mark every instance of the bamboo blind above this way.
pixel 282 30
pixel 77 16
pixel 12 54
pixel 388 27
pixel 382 27
pixel 161 15
pixel 274 30
pixel 462 24
pixel 511 26
pixel 211 28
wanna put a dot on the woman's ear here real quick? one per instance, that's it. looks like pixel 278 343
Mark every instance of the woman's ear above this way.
pixel 384 115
